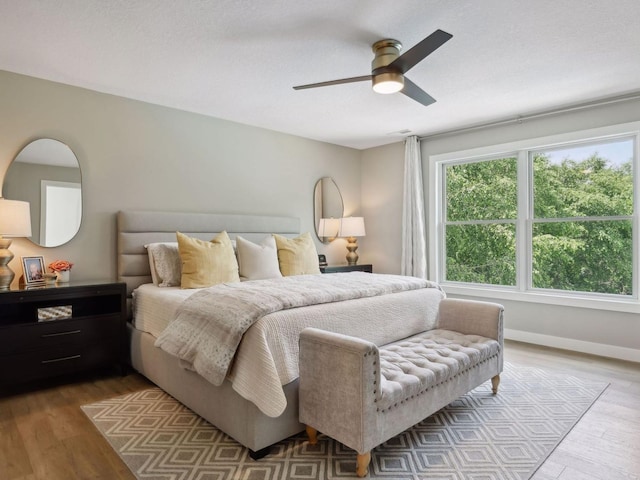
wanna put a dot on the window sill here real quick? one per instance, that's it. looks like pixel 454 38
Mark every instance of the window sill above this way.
pixel 630 305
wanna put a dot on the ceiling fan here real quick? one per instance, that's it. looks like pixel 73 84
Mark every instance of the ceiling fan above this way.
pixel 388 67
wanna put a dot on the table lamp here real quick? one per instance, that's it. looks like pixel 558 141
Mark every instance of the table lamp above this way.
pixel 352 227
pixel 15 221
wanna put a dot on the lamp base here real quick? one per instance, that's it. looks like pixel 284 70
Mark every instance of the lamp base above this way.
pixel 6 274
pixel 352 246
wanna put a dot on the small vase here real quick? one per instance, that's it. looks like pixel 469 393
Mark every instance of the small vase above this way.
pixel 62 277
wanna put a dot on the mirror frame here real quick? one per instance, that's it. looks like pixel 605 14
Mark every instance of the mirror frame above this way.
pixel 318 193
pixel 37 201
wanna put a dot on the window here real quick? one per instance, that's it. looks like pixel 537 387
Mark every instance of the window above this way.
pixel 557 219
pixel 480 228
pixel 582 217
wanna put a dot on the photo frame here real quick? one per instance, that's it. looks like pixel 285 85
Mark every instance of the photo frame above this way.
pixel 34 270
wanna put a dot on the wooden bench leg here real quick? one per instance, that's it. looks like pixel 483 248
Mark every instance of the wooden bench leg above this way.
pixel 313 435
pixel 362 466
pixel 495 381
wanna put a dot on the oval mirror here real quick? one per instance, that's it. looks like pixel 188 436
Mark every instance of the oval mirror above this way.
pixel 46 174
pixel 328 209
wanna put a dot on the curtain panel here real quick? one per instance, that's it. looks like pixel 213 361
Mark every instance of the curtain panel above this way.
pixel 414 247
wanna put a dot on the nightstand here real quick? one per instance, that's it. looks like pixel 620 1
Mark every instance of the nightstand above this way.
pixel 347 268
pixel 59 329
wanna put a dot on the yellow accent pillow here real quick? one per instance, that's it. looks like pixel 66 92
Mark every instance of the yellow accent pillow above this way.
pixel 297 256
pixel 207 263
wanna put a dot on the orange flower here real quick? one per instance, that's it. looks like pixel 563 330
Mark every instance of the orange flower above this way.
pixel 60 266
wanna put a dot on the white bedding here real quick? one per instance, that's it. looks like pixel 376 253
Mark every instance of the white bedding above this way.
pixel 267 357
pixel 154 307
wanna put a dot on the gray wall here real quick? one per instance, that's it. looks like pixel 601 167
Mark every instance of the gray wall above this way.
pixel 135 155
pixel 382 183
pixel 596 331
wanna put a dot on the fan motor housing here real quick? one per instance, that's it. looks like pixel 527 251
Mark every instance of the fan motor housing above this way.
pixel 386 51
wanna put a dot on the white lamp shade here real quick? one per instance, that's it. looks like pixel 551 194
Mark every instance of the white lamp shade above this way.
pixel 352 227
pixel 328 227
pixel 15 218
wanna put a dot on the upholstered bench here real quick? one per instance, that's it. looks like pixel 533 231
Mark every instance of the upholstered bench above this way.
pixel 362 395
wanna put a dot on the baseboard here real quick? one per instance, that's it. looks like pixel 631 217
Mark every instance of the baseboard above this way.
pixel 600 349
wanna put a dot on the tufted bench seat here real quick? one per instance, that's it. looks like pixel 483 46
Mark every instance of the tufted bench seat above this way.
pixel 362 395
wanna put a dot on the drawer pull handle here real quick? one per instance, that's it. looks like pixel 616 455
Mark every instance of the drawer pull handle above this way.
pixel 62 359
pixel 70 332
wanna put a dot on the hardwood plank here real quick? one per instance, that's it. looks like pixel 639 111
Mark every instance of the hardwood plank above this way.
pixel 578 463
pixel 570 474
pixel 14 461
pixel 606 451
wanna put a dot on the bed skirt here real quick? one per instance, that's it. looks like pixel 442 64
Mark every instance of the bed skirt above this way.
pixel 221 406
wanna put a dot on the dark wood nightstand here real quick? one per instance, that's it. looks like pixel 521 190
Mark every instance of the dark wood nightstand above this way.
pixel 34 346
pixel 347 268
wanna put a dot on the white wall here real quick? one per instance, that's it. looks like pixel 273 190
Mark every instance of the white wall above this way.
pixel 135 155
pixel 597 331
pixel 382 180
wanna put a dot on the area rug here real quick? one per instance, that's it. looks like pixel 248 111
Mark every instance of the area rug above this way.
pixel 480 436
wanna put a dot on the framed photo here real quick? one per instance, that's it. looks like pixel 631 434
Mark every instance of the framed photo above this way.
pixel 33 270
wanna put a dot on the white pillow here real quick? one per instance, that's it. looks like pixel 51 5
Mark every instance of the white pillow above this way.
pixel 165 263
pixel 257 262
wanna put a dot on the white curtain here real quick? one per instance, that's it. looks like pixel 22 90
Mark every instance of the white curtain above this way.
pixel 414 245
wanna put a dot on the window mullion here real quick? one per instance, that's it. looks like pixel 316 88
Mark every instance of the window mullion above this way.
pixel 523 224
pixel 636 216
pixel 442 243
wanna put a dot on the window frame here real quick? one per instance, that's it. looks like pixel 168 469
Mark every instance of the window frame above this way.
pixel 523 290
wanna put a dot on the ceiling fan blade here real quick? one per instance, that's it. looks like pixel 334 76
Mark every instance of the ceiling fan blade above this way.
pixel 334 82
pixel 418 52
pixel 413 91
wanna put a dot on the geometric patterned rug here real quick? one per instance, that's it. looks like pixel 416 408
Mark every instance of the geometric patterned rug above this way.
pixel 480 436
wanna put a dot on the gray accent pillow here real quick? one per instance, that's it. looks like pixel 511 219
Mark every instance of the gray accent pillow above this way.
pixel 165 264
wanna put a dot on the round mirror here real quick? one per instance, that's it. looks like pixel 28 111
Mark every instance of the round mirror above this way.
pixel 328 209
pixel 46 174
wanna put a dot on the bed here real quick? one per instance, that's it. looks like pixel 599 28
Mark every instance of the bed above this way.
pixel 222 405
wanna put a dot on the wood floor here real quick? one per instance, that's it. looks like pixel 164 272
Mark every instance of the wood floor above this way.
pixel 45 435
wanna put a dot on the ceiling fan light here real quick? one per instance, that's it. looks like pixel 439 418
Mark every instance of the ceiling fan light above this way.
pixel 390 82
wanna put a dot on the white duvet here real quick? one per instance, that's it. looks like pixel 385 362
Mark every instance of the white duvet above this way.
pixel 267 357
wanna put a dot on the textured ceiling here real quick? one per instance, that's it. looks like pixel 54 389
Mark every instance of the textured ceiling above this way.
pixel 238 59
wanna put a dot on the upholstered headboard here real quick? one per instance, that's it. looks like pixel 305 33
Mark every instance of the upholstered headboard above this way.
pixel 137 229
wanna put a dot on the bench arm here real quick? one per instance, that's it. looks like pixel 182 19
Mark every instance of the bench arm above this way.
pixel 339 383
pixel 472 317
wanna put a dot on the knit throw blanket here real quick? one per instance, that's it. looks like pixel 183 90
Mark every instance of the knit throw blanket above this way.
pixel 210 323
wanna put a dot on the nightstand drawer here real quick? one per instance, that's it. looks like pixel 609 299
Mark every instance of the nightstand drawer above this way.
pixel 22 338
pixel 58 360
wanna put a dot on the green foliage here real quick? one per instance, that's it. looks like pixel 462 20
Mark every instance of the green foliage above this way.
pixel 568 253
pixel 587 257
pixel 589 188
pixel 482 254
pixel 482 190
